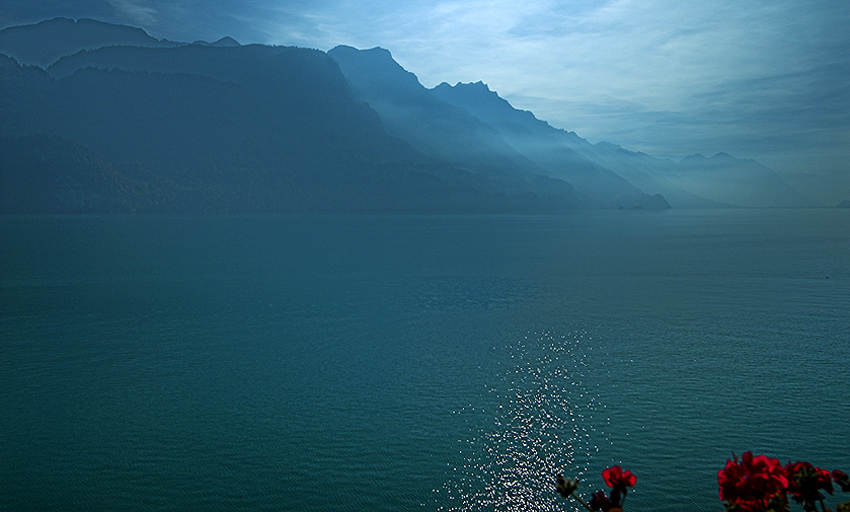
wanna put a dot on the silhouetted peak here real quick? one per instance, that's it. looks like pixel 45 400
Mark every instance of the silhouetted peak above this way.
pixel 476 87
pixel 375 66
pixel 379 51
pixel 375 53
pixel 724 156
pixel 343 49
pixel 478 92
pixel 479 85
pixel 377 57
pixel 226 41
pixel 486 104
pixel 693 159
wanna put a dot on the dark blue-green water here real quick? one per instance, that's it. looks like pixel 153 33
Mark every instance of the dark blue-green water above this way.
pixel 395 363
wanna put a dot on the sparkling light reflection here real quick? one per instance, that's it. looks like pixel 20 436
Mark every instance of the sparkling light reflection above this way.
pixel 544 422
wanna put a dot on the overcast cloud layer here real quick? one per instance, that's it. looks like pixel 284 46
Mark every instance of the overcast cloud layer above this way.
pixel 762 79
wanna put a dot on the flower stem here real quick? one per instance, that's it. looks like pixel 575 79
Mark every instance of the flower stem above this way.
pixel 583 504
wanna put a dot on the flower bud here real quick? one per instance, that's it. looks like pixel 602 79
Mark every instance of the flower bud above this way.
pixel 565 487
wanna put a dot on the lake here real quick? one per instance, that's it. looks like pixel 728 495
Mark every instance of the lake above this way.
pixel 388 363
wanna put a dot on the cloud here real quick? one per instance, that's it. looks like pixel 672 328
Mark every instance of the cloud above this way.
pixel 135 12
pixel 639 72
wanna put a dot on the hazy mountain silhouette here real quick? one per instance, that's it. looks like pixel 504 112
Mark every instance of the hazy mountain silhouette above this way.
pixel 721 181
pixel 313 98
pixel 145 125
pixel 742 182
pixel 459 131
pixel 44 43
pixel 238 128
pixel 561 154
pixel 224 41
pixel 436 128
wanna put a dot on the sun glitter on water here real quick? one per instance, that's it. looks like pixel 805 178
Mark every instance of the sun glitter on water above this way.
pixel 540 420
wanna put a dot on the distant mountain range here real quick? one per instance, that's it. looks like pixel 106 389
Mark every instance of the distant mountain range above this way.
pixel 96 117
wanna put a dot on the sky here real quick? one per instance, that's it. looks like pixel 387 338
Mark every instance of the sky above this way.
pixel 762 79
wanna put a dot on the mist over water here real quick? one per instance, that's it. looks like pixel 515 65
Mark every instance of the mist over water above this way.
pixel 369 363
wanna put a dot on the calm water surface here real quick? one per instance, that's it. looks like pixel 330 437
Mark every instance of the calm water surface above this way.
pixel 324 363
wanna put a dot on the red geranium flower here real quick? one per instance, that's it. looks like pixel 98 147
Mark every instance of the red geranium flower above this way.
pixel 599 501
pixel 842 480
pixel 753 480
pixel 732 480
pixel 806 481
pixel 615 477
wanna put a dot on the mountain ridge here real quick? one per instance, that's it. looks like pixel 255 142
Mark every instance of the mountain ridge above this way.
pixel 286 136
pixel 28 44
pixel 324 118
pixel 556 151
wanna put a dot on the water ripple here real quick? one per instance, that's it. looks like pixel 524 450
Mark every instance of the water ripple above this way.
pixel 543 423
